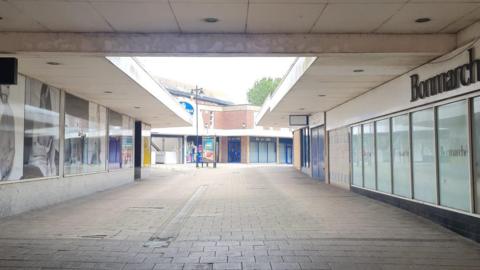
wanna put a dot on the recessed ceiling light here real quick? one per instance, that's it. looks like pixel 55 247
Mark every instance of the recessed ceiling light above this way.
pixel 422 20
pixel 107 92
pixel 211 20
pixel 53 63
pixel 358 70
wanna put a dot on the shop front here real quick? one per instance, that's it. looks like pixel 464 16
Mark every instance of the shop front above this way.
pixel 419 148
pixel 263 150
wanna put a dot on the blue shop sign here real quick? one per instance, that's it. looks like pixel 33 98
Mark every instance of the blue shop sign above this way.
pixel 187 106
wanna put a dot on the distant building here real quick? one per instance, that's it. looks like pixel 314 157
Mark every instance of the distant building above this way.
pixel 238 139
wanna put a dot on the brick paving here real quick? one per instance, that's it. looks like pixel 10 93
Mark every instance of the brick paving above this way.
pixel 233 217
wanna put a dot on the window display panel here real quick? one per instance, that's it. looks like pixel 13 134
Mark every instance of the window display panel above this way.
pixel 42 130
pixel 272 152
pixel 401 156
pixel 368 156
pixel 453 155
pixel 114 140
pixel 12 102
pixel 146 149
pixel 127 142
pixel 423 143
pixel 357 167
pixel 476 153
pixel 262 152
pixel 384 169
pixel 85 136
pixel 254 152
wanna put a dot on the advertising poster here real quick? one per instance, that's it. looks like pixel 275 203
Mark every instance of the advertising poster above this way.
pixel 41 139
pixel 114 140
pixel 76 128
pixel 208 149
pixel 96 137
pixel 12 100
pixel 147 152
pixel 85 133
pixel 127 142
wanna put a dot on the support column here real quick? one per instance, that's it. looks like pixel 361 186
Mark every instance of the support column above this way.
pixel 142 150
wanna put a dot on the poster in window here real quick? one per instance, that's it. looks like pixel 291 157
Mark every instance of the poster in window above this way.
pixel 85 133
pixel 41 137
pixel 127 142
pixel 114 140
pixel 12 100
pixel 146 138
pixel 76 125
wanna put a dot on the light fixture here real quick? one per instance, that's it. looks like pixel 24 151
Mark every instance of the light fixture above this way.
pixel 423 20
pixel 211 20
pixel 244 125
pixel 321 95
pixel 107 92
pixel 137 107
pixel 358 70
pixel 53 63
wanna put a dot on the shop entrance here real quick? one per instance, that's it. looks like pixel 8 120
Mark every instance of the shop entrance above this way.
pixel 234 150
pixel 318 164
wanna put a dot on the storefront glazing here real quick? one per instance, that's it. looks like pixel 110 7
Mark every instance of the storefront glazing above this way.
pixel 424 154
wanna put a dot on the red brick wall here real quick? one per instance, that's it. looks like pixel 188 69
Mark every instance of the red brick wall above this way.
pixel 223 149
pixel 244 146
pixel 234 119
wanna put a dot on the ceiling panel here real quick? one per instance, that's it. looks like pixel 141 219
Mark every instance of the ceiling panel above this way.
pixel 190 15
pixel 64 15
pixel 282 18
pixel 354 18
pixel 141 17
pixel 441 14
pixel 463 22
pixel 14 20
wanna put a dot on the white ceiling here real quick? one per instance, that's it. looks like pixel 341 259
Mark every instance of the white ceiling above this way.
pixel 331 81
pixel 89 78
pixel 238 16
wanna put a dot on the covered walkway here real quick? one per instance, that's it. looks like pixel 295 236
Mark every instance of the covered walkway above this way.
pixel 270 217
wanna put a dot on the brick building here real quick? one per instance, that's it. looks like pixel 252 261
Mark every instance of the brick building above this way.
pixel 238 139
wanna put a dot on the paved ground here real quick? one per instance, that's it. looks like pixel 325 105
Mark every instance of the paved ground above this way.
pixel 229 218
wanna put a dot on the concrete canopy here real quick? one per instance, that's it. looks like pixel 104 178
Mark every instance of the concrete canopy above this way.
pixel 316 84
pixel 117 83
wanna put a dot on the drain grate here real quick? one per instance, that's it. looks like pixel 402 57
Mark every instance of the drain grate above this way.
pixel 147 207
pixel 94 236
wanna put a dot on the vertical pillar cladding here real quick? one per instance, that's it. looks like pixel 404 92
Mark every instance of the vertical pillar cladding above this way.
pixel 450 80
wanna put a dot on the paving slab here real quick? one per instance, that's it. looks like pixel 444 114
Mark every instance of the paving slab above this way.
pixel 232 217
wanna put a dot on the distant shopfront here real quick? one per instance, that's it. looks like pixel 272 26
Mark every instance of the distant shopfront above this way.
pixel 263 150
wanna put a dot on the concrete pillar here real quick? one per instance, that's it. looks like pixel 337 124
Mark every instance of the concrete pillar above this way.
pixel 142 150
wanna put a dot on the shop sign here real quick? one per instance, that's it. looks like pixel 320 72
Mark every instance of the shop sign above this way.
pixel 261 139
pixel 298 120
pixel 452 79
pixel 187 106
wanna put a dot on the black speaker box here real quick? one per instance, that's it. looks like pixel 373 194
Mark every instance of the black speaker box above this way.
pixel 8 70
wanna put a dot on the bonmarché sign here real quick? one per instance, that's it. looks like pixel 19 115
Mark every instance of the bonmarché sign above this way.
pixel 450 80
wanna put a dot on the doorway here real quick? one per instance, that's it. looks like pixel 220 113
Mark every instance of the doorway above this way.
pixel 234 150
pixel 317 144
